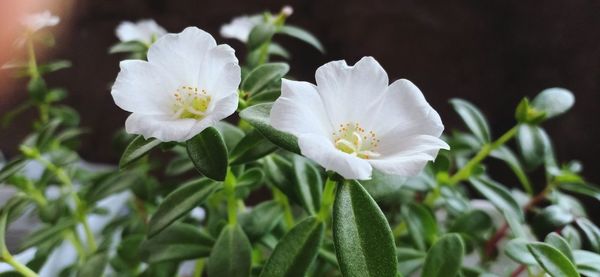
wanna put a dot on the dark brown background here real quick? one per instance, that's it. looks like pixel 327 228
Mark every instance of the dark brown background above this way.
pixel 489 52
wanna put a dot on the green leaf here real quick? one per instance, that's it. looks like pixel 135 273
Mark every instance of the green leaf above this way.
pixel 531 141
pixel 555 263
pixel 588 263
pixel 260 34
pixel 259 221
pixel 421 225
pixel 11 168
pixel 230 133
pixel 127 47
pixel 554 101
pixel 473 118
pixel 45 233
pixel 504 153
pixel 53 66
pixel 296 250
pixel 277 50
pixel 231 255
pixel 561 244
pixel 178 242
pixel 94 266
pixel 516 249
pixel 475 223
pixel 180 202
pixel 591 231
pixel 136 149
pixel 250 178
pixel 262 76
pixel 302 35
pixel 110 184
pixel 445 257
pixel 581 188
pixel 258 117
pixel 251 148
pixel 37 89
pixel 208 152
pixel 363 239
pixel 308 184
pixel 498 195
pixel 409 260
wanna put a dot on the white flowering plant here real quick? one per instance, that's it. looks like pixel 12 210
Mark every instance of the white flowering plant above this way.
pixel 233 168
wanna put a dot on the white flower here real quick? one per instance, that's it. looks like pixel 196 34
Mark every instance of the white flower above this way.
pixel 353 121
pixel 188 83
pixel 240 27
pixel 146 31
pixel 37 21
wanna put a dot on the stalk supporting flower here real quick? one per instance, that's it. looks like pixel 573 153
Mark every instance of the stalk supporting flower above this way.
pixel 188 84
pixel 353 121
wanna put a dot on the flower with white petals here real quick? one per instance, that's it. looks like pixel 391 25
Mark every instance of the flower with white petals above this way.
pixel 353 121
pixel 37 21
pixel 188 84
pixel 240 27
pixel 146 31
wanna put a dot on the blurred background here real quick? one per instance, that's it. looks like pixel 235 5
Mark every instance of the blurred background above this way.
pixel 491 53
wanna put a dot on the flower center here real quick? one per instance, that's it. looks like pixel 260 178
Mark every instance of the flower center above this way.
pixel 352 139
pixel 190 103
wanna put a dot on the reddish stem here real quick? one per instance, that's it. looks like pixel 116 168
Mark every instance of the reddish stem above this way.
pixel 518 271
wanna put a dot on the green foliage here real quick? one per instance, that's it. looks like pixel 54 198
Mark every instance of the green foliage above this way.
pixel 208 152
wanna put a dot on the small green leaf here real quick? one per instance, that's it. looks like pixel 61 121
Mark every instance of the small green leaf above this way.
pixel 561 244
pixel 302 35
pixel 504 153
pixel 421 225
pixel 296 250
pixel 516 249
pixel 128 47
pixel 262 76
pixel 532 143
pixel 177 242
pixel 260 34
pixel 136 149
pixel 498 195
pixel 110 184
pixel 258 117
pixel 475 223
pixel 581 188
pixel 555 263
pixel 591 231
pixel 308 184
pixel 363 239
pixel 409 260
pixel 179 203
pixel 473 118
pixel 208 152
pixel 45 233
pixel 37 89
pixel 231 255
pixel 53 66
pixel 277 50
pixel 261 219
pixel 94 266
pixel 588 263
pixel 251 148
pixel 445 257
pixel 230 133
pixel 554 101
pixel 250 178
pixel 11 168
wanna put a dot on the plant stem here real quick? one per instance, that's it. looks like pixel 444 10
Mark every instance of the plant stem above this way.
pixel 288 217
pixel 19 267
pixel 327 200
pixel 231 199
pixel 33 68
pixel 485 151
pixel 199 267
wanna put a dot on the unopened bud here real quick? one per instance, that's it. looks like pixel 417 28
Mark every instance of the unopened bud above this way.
pixel 287 10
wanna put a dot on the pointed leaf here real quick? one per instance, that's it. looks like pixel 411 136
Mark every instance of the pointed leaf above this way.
pixel 421 225
pixel 136 149
pixel 363 239
pixel 445 257
pixel 258 117
pixel 179 203
pixel 308 184
pixel 296 250
pixel 498 195
pixel 231 255
pixel 302 35
pixel 177 242
pixel 251 148
pixel 561 244
pixel 262 76
pixel 473 118
pixel 555 263
pixel 208 152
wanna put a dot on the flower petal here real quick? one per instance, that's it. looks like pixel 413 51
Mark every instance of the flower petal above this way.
pixel 141 88
pixel 163 127
pixel 143 30
pixel 321 150
pixel 219 72
pixel 181 54
pixel 349 92
pixel 240 27
pixel 406 156
pixel 224 107
pixel 300 110
pixel 411 114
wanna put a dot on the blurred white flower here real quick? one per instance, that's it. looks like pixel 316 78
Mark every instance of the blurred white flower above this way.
pixel 240 27
pixel 37 21
pixel 353 121
pixel 146 31
pixel 188 84
pixel 198 213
